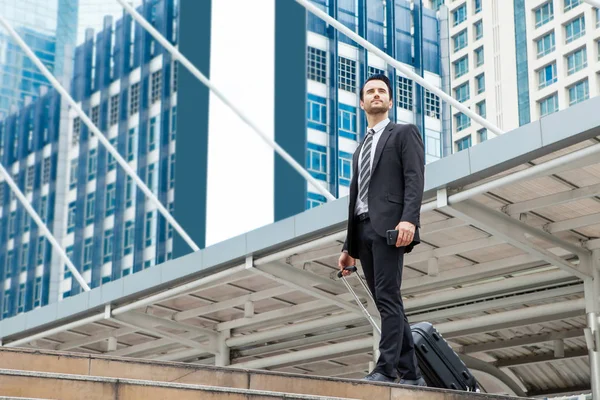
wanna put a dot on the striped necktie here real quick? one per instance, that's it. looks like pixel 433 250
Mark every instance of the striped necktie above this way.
pixel 364 175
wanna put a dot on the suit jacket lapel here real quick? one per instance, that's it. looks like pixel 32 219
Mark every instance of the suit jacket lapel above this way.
pixel 385 135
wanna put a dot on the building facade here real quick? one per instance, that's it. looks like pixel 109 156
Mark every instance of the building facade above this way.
pixel 514 62
pixel 126 83
pixel 337 67
pixel 47 26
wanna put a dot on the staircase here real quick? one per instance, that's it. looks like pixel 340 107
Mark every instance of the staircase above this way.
pixel 26 373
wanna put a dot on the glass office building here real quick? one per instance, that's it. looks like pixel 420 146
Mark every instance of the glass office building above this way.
pixel 126 83
pixel 47 26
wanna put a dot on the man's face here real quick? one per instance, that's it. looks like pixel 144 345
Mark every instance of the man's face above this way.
pixel 376 98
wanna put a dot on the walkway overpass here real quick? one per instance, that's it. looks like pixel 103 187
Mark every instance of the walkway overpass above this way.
pixel 511 239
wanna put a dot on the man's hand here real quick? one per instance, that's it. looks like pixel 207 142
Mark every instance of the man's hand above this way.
pixel 406 233
pixel 345 261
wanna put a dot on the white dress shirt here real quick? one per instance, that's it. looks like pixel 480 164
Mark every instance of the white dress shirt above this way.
pixel 363 206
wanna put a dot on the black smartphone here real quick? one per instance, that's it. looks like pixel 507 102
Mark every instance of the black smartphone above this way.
pixel 392 237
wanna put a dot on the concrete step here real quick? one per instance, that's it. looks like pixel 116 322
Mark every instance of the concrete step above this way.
pixel 75 387
pixel 122 369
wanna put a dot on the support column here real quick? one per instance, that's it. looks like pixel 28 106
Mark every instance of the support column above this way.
pixel 592 332
pixel 111 344
pixel 223 359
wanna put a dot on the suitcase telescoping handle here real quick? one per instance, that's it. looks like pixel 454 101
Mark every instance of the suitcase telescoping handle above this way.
pixel 357 299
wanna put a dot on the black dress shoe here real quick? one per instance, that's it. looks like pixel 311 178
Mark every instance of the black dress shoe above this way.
pixel 378 377
pixel 413 382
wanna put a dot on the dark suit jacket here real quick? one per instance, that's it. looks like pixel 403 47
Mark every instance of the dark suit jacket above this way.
pixel 396 186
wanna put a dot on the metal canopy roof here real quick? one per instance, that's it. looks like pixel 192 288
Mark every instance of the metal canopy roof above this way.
pixel 499 274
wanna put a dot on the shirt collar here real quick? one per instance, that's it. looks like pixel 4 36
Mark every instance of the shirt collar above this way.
pixel 380 126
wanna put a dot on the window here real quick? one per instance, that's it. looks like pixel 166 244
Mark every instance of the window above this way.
pixel 405 93
pixel 480 83
pixel 148 228
pixel 90 207
pixel 76 131
pixel 314 200
pixel 69 251
pixel 462 122
pixel 41 250
pixel 156 80
pixel 316 161
pixel 317 112
pixel 549 105
pixel 131 144
pixel 6 307
pixel 24 257
pixel 374 71
pixel 46 170
pixel 547 75
pixel 111 162
pixel 96 115
pixel 175 75
pixel 432 105
pixel 26 222
pixel 110 199
pixel 461 67
pixel 317 65
pixel 73 174
pixel 114 110
pixel 9 264
pixel 129 192
pixel 544 14
pixel 579 92
pixel 546 44
pixel 575 29
pixel 570 4
pixel 11 224
pixel 173 122
pixel 108 245
pixel 597 17
pixel 87 253
pixel 37 291
pixel 171 171
pixel 128 238
pixel 347 74
pixel 464 143
pixel 345 168
pixel 148 263
pixel 482 135
pixel 478 27
pixel 150 176
pixel 92 165
pixel 169 226
pixel 71 217
pixel 577 61
pixel 152 135
pixel 21 303
pixel 134 98
pixel 43 208
pixel 347 121
pixel 482 109
pixel 29 175
pixel 460 14
pixel 461 93
pixel 477 6
pixel 460 40
pixel 479 57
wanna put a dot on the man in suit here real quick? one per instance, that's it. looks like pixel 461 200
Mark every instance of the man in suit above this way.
pixel 385 194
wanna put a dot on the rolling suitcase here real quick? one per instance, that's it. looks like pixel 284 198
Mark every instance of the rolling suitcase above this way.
pixel 440 365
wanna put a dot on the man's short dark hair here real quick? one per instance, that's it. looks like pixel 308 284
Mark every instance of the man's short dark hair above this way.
pixel 377 77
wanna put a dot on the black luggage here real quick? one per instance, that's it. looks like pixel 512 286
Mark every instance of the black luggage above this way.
pixel 440 365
